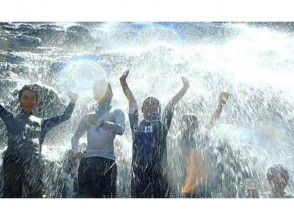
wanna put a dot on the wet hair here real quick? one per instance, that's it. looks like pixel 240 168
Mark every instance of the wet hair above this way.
pixel 278 169
pixel 190 118
pixel 154 100
pixel 27 88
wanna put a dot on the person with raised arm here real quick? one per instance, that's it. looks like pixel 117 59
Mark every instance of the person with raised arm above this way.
pixel 97 172
pixel 194 165
pixel 149 142
pixel 22 160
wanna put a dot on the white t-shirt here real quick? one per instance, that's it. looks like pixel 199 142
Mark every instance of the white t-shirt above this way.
pixel 100 141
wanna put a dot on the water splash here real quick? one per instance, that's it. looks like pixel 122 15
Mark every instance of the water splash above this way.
pixel 253 64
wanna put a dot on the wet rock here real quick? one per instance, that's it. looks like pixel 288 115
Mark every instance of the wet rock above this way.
pixel 25 27
pixel 13 58
pixel 25 42
pixel 51 26
pixel 279 26
pixel 79 30
pixel 4 43
pixel 6 88
pixel 205 31
pixel 77 35
pixel 5 69
pixel 50 34
pixel 56 67
pixel 8 26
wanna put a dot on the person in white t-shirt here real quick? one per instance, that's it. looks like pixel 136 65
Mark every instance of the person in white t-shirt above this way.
pixel 97 170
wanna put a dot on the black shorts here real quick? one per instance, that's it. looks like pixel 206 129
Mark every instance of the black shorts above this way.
pixel 22 177
pixel 149 184
pixel 97 178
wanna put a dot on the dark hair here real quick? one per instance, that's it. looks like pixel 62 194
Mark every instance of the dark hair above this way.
pixel 154 100
pixel 27 88
pixel 190 118
pixel 150 100
pixel 278 169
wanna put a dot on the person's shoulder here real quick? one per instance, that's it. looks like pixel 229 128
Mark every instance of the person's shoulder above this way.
pixel 89 113
pixel 133 114
pixel 86 117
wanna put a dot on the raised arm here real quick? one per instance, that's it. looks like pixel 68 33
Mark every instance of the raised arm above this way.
pixel 128 93
pixel 223 98
pixel 7 117
pixel 169 109
pixel 54 121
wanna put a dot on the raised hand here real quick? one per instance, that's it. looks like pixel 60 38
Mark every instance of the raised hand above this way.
pixel 186 83
pixel 73 97
pixel 224 97
pixel 124 76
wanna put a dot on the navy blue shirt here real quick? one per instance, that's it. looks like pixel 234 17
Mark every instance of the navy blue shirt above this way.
pixel 26 132
pixel 149 142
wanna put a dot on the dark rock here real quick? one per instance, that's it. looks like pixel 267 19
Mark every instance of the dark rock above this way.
pixel 13 59
pixel 51 26
pixel 25 27
pixel 5 68
pixel 50 34
pixel 79 30
pixel 56 67
pixel 24 42
pixel 4 44
pixel 279 26
pixel 77 35
pixel 7 26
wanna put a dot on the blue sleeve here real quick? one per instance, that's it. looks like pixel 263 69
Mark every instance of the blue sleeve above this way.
pixel 54 121
pixel 134 118
pixel 7 117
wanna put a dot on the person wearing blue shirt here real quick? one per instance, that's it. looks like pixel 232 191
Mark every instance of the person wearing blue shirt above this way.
pixel 149 142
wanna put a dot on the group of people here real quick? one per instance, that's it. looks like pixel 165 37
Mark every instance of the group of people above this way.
pixel 23 166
